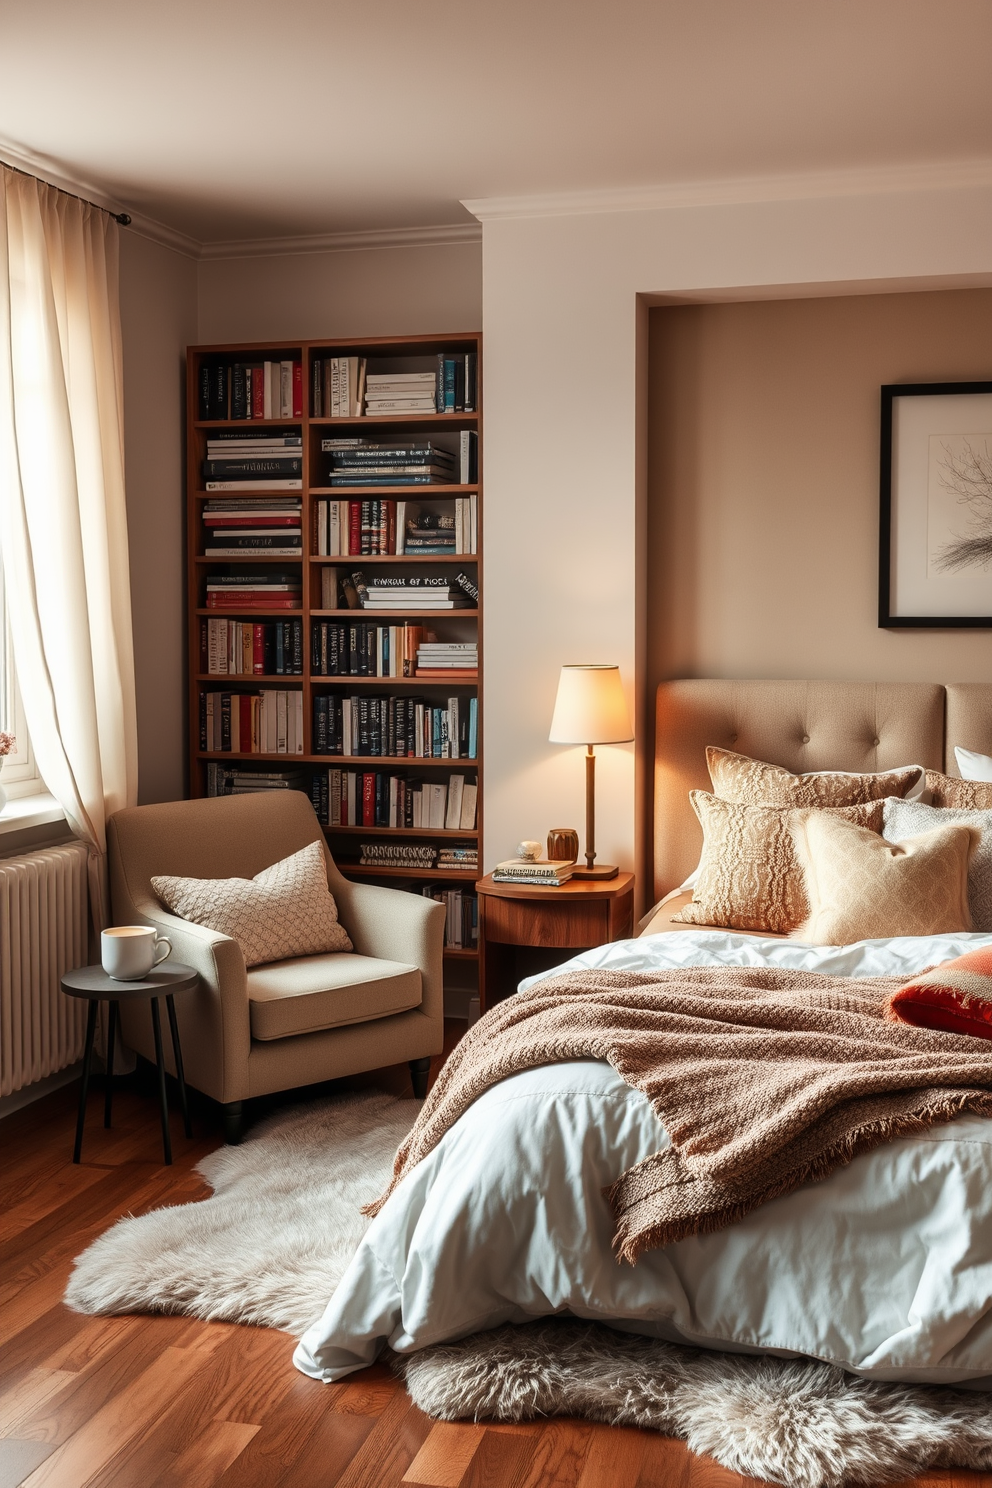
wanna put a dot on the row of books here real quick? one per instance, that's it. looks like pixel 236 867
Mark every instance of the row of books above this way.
pixel 413 461
pixel 227 780
pixel 253 524
pixel 353 386
pixel 371 798
pixel 250 390
pixel 399 855
pixel 461 922
pixel 345 529
pixel 396 727
pixel 345 650
pixel 268 722
pixel 240 648
pixel 261 590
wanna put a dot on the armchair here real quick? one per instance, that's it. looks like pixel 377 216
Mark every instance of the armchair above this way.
pixel 251 1031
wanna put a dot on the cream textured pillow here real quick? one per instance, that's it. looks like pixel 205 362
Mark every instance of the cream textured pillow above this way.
pixel 861 887
pixel 286 910
pixel 749 877
pixel 962 795
pixel 908 818
pixel 751 782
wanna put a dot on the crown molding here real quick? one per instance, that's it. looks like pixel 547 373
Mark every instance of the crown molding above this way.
pixel 440 236
pixel 740 190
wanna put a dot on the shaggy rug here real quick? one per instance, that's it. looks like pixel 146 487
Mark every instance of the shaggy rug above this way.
pixel 272 1243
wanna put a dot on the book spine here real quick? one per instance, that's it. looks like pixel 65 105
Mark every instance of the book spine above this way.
pixel 297 389
pixel 239 392
pixel 203 397
pixel 220 406
pixel 257 393
pixel 449 385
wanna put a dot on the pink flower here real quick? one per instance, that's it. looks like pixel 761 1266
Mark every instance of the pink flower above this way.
pixel 7 742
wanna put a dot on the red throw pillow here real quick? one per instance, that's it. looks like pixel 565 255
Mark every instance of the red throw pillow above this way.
pixel 955 997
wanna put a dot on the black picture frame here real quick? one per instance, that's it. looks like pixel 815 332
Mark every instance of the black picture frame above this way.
pixel 889 503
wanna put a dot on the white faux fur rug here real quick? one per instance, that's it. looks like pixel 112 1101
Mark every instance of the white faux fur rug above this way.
pixel 272 1243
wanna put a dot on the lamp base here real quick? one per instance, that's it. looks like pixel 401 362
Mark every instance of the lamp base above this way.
pixel 598 870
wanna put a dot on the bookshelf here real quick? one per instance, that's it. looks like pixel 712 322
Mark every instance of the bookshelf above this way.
pixel 286 619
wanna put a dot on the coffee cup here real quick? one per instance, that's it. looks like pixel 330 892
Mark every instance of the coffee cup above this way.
pixel 128 952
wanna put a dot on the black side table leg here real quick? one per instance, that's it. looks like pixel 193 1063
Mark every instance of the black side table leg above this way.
pixel 84 1091
pixel 177 1051
pixel 111 1031
pixel 160 1064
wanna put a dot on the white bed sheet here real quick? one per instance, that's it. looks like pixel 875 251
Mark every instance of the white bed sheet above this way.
pixel 884 1268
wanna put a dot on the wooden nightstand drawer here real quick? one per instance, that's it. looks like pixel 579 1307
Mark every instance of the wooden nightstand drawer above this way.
pixel 567 923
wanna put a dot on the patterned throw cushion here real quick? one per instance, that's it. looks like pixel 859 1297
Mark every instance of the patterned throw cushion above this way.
pixel 961 795
pixel 286 910
pixel 749 877
pixel 955 997
pixel 907 818
pixel 861 887
pixel 751 782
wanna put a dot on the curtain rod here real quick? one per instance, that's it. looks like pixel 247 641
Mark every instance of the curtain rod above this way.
pixel 122 218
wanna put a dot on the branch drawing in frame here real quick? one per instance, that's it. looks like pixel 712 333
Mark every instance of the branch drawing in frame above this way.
pixel 935 538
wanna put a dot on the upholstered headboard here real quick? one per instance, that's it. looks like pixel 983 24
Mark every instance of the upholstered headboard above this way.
pixel 803 726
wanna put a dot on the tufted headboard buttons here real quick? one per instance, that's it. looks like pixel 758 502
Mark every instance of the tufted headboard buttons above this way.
pixel 801 725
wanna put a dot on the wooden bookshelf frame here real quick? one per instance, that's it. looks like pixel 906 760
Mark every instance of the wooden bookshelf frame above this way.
pixel 311 685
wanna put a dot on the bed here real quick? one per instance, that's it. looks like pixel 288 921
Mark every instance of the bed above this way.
pixel 884 1267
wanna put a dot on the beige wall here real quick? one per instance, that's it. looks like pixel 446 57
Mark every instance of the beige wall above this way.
pixel 371 292
pixel 158 319
pixel 763 484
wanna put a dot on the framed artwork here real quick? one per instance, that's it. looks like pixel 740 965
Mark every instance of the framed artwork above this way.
pixel 935 547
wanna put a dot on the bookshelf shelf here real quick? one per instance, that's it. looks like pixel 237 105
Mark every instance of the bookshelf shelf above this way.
pixel 211 369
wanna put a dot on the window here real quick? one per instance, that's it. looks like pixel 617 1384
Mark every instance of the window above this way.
pixel 20 773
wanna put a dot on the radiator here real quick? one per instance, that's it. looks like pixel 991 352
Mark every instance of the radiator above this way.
pixel 44 931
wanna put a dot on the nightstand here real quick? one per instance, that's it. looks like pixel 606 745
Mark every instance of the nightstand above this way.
pixel 525 928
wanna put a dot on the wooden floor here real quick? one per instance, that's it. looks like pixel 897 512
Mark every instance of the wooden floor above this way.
pixel 155 1402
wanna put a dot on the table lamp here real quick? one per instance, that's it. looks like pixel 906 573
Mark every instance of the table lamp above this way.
pixel 591 709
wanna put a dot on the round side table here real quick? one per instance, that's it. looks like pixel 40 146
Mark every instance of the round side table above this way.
pixel 93 983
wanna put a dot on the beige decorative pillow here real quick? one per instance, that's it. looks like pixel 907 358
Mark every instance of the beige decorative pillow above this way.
pixel 960 795
pixel 749 875
pixel 861 887
pixel 286 910
pixel 751 782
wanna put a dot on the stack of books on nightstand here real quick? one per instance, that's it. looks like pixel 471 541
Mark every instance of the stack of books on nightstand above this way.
pixel 540 871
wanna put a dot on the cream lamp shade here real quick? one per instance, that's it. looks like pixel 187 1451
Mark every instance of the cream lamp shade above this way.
pixel 590 707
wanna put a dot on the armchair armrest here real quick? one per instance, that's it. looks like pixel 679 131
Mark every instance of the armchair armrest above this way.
pixel 397 926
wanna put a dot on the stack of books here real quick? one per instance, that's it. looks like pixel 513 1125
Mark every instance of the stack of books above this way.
pixel 345 529
pixel 430 534
pixel 223 780
pixel 240 648
pixel 397 727
pixel 523 871
pixel 251 390
pixel 397 855
pixel 390 393
pixel 463 858
pixel 448 659
pixel 394 462
pixel 253 524
pixel 262 590
pixel 406 594
pixel 236 463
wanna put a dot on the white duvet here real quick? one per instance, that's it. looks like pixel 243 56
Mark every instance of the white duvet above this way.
pixel 884 1268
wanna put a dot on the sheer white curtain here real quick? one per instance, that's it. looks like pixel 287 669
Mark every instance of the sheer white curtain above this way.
pixel 63 532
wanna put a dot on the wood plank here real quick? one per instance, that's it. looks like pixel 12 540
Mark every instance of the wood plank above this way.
pixel 501 1461
pixel 445 1456
pixel 666 1463
pixel 559 1452
pixel 390 1446
pixel 300 1448
pixel 208 1456
pixel 20 1404
pixel 613 1457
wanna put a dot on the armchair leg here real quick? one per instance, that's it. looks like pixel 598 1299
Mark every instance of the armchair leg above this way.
pixel 234 1121
pixel 419 1071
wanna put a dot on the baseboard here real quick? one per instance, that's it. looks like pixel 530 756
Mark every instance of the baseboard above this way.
pixel 30 1093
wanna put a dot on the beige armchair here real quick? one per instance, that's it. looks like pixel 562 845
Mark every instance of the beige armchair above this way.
pixel 246 1032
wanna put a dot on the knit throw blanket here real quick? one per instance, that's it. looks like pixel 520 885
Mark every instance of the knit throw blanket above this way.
pixel 764 1080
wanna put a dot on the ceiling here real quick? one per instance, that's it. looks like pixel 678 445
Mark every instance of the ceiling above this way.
pixel 241 119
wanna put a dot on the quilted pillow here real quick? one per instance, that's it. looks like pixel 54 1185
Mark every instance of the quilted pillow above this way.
pixel 964 795
pixel 749 877
pixel 955 997
pixel 286 910
pixel 861 887
pixel 751 782
pixel 907 818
